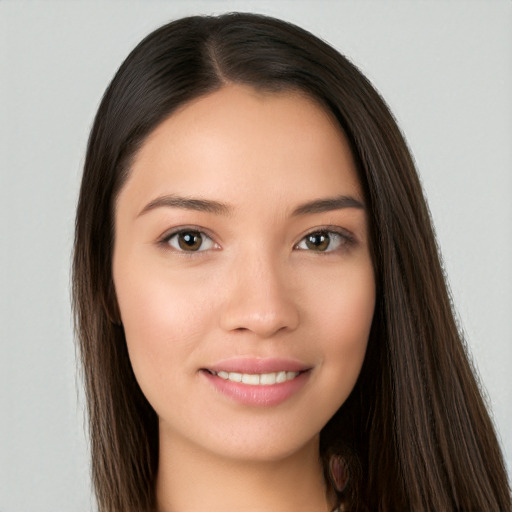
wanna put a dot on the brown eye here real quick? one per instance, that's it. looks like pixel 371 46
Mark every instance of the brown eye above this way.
pixel 318 241
pixel 190 241
pixel 323 241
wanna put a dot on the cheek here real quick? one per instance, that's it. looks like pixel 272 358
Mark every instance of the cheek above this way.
pixel 344 301
pixel 163 319
pixel 344 313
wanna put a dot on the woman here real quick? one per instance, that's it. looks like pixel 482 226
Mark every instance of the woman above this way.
pixel 262 315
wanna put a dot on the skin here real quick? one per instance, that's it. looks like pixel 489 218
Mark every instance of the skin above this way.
pixel 255 289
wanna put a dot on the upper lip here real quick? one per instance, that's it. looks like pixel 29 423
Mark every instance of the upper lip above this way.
pixel 253 365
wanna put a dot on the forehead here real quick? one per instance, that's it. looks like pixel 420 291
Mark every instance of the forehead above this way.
pixel 238 141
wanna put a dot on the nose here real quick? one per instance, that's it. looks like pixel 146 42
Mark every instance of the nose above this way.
pixel 259 299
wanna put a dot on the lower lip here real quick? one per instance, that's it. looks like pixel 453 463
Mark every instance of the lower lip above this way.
pixel 247 394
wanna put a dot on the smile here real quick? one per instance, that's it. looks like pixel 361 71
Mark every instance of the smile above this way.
pixel 253 382
pixel 257 379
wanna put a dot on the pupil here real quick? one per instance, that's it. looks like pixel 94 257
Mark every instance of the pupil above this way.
pixel 190 241
pixel 318 241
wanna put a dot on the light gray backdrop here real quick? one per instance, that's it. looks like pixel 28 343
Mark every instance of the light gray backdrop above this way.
pixel 446 70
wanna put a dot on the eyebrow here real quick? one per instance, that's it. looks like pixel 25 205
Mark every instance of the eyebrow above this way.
pixel 218 208
pixel 186 203
pixel 328 204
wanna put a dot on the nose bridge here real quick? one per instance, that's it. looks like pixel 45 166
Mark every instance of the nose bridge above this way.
pixel 259 295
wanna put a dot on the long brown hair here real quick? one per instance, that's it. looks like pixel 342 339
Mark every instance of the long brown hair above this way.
pixel 414 433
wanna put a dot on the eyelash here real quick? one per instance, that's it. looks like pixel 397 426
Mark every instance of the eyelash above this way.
pixel 166 240
pixel 345 240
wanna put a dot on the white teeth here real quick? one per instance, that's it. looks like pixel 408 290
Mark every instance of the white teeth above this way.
pixel 257 379
pixel 281 377
pixel 248 378
pixel 235 377
pixel 267 379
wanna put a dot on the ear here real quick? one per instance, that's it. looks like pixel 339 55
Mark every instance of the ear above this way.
pixel 338 472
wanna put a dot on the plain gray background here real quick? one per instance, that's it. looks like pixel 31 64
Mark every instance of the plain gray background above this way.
pixel 444 67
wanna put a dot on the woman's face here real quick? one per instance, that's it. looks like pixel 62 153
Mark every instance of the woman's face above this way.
pixel 243 272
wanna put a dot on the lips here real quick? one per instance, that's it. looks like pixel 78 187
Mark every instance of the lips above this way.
pixel 260 382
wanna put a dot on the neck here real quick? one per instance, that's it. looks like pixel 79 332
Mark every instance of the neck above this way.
pixel 191 479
